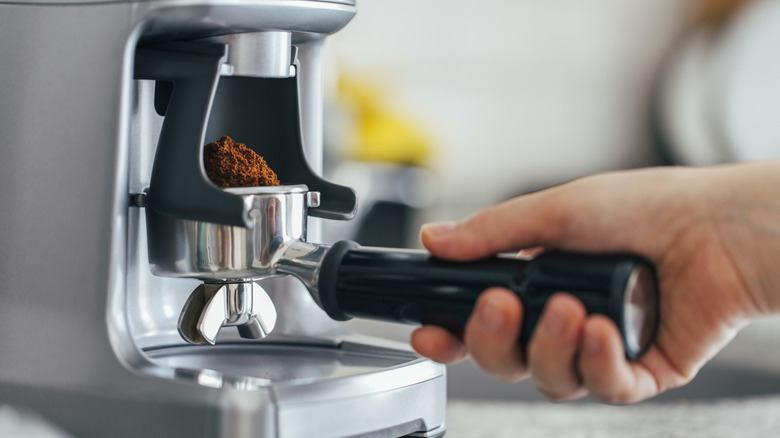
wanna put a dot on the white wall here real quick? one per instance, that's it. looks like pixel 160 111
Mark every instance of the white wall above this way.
pixel 517 93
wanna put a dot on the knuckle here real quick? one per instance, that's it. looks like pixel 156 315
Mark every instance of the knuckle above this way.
pixel 559 387
pixel 550 394
pixel 562 396
pixel 511 373
pixel 477 221
pixel 619 396
pixel 487 360
pixel 508 368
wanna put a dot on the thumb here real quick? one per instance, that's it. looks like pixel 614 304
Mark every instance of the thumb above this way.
pixel 539 219
pixel 638 211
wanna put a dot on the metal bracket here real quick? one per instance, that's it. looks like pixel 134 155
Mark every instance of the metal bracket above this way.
pixel 215 305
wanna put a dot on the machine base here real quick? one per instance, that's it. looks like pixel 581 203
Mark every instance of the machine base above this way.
pixel 255 390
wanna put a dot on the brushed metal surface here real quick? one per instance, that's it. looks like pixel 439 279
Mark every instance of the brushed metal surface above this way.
pixel 80 310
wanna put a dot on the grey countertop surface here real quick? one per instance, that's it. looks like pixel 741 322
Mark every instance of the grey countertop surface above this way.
pixel 740 417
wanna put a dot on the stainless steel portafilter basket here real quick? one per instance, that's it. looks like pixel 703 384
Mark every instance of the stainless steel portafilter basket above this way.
pixel 228 259
pixel 347 280
pixel 222 253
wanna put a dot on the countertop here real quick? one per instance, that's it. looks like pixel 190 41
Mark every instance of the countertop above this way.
pixel 725 418
pixel 741 417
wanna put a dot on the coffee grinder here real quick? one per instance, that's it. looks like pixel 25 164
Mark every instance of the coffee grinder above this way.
pixel 139 299
pixel 91 334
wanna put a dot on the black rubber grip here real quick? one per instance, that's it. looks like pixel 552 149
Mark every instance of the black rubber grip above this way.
pixel 414 287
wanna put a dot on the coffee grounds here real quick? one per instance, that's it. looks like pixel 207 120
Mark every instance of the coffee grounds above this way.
pixel 232 164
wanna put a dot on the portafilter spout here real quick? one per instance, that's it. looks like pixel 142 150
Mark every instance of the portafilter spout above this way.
pixel 215 305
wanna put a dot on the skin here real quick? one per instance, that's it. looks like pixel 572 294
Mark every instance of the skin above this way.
pixel 712 233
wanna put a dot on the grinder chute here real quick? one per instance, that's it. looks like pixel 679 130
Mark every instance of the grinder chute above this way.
pixel 198 96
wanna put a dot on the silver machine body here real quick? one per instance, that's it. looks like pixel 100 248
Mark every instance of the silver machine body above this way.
pixel 89 333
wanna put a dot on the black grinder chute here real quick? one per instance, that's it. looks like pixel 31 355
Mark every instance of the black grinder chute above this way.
pixel 198 104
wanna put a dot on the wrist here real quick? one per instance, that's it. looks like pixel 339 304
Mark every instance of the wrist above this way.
pixel 747 212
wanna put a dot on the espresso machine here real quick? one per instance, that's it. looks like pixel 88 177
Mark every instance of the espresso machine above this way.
pixel 139 299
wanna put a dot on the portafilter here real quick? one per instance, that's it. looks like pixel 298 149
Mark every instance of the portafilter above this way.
pixel 347 280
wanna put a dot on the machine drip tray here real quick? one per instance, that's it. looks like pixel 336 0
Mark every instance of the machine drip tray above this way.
pixel 264 364
pixel 292 390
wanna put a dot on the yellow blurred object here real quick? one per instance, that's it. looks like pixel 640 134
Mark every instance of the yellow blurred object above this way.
pixel 717 13
pixel 378 133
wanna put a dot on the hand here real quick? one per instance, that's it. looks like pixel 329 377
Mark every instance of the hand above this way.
pixel 712 233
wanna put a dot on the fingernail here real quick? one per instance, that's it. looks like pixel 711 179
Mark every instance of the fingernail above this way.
pixel 438 229
pixel 491 315
pixel 553 322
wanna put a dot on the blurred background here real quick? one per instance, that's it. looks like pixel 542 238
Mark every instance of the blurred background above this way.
pixel 436 109
pixel 510 95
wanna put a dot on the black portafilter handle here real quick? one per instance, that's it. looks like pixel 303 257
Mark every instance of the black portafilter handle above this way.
pixel 416 288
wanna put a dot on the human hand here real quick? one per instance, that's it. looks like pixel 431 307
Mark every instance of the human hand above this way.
pixel 712 233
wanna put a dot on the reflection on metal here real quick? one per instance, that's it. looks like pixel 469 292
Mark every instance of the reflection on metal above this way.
pixel 229 258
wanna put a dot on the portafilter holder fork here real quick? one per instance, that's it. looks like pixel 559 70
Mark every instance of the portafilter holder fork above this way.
pixel 212 306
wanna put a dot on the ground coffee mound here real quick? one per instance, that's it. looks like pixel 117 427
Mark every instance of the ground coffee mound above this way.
pixel 232 164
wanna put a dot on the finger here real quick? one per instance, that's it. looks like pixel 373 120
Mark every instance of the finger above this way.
pixel 491 334
pixel 525 221
pixel 606 373
pixel 438 344
pixel 605 212
pixel 529 253
pixel 554 349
